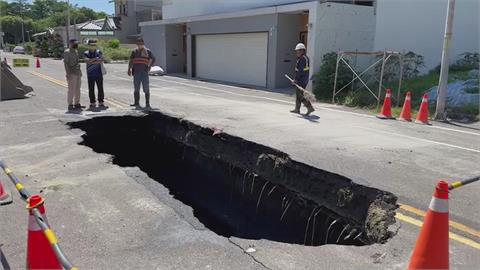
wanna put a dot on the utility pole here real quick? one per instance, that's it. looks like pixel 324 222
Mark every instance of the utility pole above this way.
pixel 68 22
pixel 443 81
pixel 23 34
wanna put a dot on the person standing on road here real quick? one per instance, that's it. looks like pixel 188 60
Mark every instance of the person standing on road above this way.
pixel 141 60
pixel 94 61
pixel 302 72
pixel 74 75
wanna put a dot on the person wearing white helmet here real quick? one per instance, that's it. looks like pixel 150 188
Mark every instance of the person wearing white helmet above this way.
pixel 302 72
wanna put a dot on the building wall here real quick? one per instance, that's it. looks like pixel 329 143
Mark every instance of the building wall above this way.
pixel 331 27
pixel 419 26
pixel 129 23
pixel 187 8
pixel 340 27
pixel 154 37
pixel 174 54
pixel 288 26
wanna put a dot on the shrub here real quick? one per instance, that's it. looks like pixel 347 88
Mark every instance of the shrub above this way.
pixel 29 47
pixel 325 78
pixel 10 46
pixel 116 54
pixel 114 43
pixel 466 61
pixel 359 99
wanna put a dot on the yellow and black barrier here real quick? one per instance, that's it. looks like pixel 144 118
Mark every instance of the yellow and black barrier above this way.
pixel 462 183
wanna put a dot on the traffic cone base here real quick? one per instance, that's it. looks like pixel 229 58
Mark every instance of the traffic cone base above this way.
pixel 40 254
pixel 431 248
pixel 406 114
pixel 5 197
pixel 386 112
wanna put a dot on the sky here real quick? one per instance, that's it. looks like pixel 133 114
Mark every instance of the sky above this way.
pixel 97 5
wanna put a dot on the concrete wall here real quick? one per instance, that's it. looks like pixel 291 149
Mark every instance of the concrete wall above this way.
pixel 418 26
pixel 154 37
pixel 128 24
pixel 185 8
pixel 341 27
pixel 265 23
pixel 288 27
pixel 175 56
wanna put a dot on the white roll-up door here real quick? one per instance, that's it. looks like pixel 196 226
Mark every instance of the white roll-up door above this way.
pixel 238 58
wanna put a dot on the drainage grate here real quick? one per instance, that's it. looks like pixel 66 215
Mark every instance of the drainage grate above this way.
pixel 242 189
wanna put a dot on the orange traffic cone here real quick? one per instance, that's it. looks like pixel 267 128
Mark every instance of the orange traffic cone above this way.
pixel 40 254
pixel 386 112
pixel 5 198
pixel 37 65
pixel 422 116
pixel 406 114
pixel 431 249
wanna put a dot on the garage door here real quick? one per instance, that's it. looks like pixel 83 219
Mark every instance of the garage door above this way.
pixel 239 58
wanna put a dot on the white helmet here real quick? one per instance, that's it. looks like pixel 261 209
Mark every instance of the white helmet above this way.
pixel 300 46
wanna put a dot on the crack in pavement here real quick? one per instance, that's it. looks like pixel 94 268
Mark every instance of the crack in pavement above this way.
pixel 250 255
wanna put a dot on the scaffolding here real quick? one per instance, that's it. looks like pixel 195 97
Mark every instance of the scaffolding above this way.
pixel 383 57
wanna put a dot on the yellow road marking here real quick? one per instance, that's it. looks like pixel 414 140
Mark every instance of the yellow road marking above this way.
pixel 452 224
pixel 451 235
pixel 64 84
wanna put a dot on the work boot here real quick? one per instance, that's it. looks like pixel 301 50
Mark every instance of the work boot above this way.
pixel 295 111
pixel 147 102
pixel 70 107
pixel 136 97
pixel 310 110
pixel 78 106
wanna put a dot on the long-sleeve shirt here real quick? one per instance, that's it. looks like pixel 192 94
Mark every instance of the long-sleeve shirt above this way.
pixel 302 69
pixel 71 62
pixel 94 70
pixel 141 60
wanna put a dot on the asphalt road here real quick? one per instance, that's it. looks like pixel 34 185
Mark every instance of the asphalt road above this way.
pixel 403 158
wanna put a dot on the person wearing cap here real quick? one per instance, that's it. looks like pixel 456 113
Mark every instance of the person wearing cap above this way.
pixel 94 61
pixel 302 72
pixel 71 62
pixel 141 60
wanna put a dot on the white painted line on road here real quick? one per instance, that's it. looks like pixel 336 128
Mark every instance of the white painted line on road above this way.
pixel 421 139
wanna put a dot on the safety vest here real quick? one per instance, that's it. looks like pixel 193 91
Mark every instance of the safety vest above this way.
pixel 141 57
pixel 307 64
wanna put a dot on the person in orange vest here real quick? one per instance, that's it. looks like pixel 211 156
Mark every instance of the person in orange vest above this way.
pixel 302 72
pixel 141 60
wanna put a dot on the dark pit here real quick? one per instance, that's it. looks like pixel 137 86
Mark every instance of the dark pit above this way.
pixel 239 188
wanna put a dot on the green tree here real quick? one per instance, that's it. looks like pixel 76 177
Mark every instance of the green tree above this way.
pixel 325 78
pixel 20 8
pixel 12 26
pixel 4 8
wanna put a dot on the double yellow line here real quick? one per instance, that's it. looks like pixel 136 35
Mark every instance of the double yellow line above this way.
pixel 454 225
pixel 111 101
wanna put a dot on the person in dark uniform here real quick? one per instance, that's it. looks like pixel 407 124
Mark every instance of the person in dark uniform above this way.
pixel 141 60
pixel 94 60
pixel 302 72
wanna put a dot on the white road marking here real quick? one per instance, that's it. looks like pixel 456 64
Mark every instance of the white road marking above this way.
pixel 421 139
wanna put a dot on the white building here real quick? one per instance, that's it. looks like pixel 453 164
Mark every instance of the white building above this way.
pixel 251 42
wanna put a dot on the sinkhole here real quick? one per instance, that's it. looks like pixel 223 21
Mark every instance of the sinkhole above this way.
pixel 240 188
